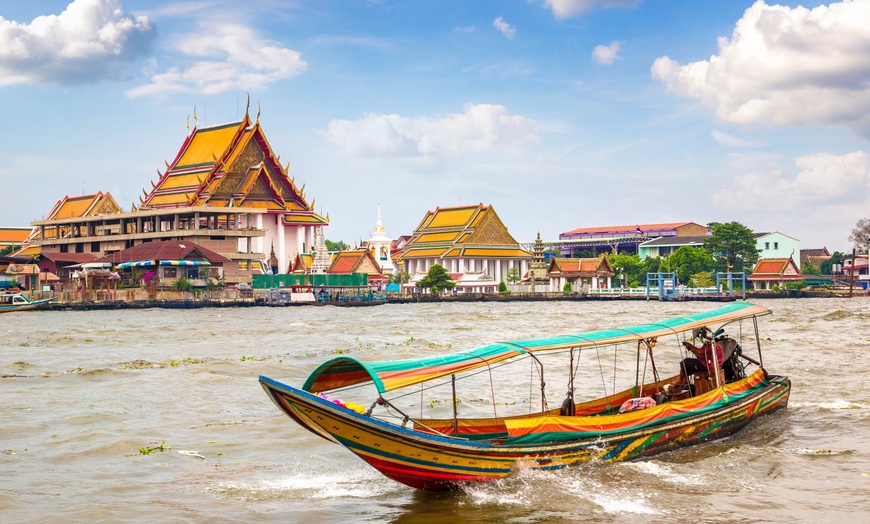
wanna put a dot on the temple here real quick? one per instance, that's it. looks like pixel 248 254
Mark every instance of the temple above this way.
pixel 225 190
pixel 472 244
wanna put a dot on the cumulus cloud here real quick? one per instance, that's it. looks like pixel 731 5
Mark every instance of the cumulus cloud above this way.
pixel 568 8
pixel 785 66
pixel 479 128
pixel 89 41
pixel 606 54
pixel 820 180
pixel 505 28
pixel 232 57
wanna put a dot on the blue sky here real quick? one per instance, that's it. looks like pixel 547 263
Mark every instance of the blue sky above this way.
pixel 559 113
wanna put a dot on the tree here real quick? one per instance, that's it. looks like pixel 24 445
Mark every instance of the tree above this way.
pixel 807 268
pixel 398 278
pixel 687 261
pixel 732 246
pixel 860 235
pixel 566 288
pixel 630 266
pixel 513 275
pixel 336 246
pixel 436 280
pixel 502 287
pixel 827 265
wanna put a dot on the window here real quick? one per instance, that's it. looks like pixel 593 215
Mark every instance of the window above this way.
pixel 243 265
pixel 95 247
pixel 169 272
pixel 767 245
pixel 80 248
pixel 64 248
pixel 776 245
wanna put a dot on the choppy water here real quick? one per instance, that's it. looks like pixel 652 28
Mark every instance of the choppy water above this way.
pixel 84 391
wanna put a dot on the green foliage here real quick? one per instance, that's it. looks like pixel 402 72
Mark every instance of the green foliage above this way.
pixel 6 250
pixel 182 284
pixel 502 288
pixel 436 280
pixel 701 279
pixel 631 267
pixel 399 278
pixel 687 261
pixel 567 287
pixel 335 246
pixel 860 235
pixel 513 275
pixel 732 246
pixel 807 268
pixel 836 258
pixel 799 284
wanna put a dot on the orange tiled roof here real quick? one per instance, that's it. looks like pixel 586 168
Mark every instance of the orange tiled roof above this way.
pixel 14 236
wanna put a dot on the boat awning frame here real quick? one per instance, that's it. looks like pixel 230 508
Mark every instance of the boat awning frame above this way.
pixel 393 374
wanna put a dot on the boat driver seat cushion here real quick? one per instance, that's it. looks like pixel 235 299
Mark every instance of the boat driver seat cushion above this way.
pixel 636 404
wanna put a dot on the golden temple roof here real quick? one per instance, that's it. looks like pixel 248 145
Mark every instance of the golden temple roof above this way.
pixel 467 231
pixel 230 165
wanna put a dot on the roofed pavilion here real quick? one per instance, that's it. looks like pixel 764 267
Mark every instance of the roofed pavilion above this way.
pixel 466 239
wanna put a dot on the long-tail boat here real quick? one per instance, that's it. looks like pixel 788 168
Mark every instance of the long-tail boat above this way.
pixel 651 416
pixel 17 302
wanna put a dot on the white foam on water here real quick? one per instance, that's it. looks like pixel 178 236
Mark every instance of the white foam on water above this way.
pixel 613 499
pixel 664 472
pixel 835 404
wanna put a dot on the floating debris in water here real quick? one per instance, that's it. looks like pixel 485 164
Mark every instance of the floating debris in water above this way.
pixel 190 453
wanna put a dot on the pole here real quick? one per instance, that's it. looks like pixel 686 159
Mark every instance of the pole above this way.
pixel 852 273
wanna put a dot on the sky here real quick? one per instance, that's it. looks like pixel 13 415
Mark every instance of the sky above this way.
pixel 560 114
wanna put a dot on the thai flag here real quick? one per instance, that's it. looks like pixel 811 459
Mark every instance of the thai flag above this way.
pixel 639 231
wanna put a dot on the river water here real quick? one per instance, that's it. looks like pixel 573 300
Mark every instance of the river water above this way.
pixel 87 396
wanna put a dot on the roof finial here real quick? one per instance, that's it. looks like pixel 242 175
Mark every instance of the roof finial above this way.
pixel 258 112
pixel 248 106
pixel 195 119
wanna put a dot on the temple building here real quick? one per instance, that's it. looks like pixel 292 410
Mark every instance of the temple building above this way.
pixel 379 246
pixel 581 274
pixel 225 190
pixel 470 242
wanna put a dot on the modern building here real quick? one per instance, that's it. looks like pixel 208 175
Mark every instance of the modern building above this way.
pixel 666 246
pixel 608 239
pixel 777 246
pixel 470 242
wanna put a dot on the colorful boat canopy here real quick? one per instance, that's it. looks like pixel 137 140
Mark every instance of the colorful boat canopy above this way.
pixel 147 263
pixel 393 374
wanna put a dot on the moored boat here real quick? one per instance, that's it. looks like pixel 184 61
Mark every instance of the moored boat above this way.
pixel 652 414
pixel 17 302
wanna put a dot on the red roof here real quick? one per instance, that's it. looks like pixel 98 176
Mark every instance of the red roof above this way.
pixel 622 229
pixel 165 250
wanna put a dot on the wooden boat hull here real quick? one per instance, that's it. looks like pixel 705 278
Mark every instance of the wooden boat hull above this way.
pixel 438 462
pixel 25 306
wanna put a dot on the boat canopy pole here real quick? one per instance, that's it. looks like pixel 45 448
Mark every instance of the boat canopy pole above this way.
pixel 455 414
pixel 543 384
pixel 758 343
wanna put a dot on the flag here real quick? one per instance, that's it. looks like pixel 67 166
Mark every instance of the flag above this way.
pixel 639 231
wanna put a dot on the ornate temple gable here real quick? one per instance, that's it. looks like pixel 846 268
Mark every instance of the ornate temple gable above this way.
pixel 106 205
pixel 251 155
pixel 367 265
pixel 490 230
pixel 226 186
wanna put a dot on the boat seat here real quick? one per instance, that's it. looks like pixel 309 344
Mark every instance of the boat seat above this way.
pixel 706 381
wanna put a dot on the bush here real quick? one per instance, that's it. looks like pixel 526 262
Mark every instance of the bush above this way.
pixel 567 287
pixel 182 284
pixel 502 288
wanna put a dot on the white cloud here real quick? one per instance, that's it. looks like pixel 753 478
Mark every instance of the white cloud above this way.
pixel 89 41
pixel 785 66
pixel 567 8
pixel 234 57
pixel 821 180
pixel 465 29
pixel 505 28
pixel 481 127
pixel 731 141
pixel 606 54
